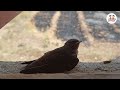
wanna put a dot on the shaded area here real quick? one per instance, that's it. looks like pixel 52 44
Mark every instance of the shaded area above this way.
pixel 43 18
pixel 101 30
pixel 68 26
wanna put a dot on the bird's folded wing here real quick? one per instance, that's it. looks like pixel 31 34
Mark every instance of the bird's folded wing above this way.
pixel 46 60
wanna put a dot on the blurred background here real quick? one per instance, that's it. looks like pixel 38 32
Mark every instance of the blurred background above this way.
pixel 32 33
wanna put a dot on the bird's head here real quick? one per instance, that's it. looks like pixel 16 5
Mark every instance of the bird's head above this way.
pixel 72 44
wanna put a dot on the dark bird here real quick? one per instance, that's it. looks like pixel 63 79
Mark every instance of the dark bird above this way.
pixel 56 61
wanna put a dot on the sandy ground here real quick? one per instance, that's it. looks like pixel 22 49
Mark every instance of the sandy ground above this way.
pixel 10 70
pixel 82 67
pixel 30 35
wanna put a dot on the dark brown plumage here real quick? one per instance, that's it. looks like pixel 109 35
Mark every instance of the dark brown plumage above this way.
pixel 56 61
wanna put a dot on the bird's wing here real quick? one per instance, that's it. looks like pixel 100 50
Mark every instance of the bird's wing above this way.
pixel 56 65
pixel 45 55
pixel 52 57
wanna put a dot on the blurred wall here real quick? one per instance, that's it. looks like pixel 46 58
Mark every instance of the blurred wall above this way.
pixel 6 16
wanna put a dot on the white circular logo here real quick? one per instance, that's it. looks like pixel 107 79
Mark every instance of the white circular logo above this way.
pixel 111 18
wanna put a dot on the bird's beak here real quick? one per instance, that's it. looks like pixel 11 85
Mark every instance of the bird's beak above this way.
pixel 78 42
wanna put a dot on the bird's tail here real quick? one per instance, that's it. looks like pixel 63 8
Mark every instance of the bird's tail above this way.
pixel 28 62
pixel 24 72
